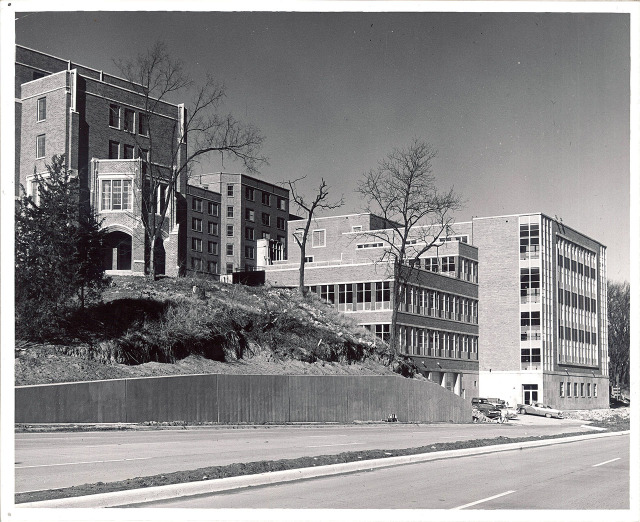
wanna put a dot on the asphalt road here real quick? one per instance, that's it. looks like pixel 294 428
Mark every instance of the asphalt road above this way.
pixel 54 460
pixel 585 475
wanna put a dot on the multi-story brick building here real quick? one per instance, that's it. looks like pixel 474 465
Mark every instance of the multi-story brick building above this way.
pixel 543 311
pixel 438 315
pixel 99 122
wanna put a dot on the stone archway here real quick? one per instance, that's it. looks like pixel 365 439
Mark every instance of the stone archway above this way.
pixel 117 251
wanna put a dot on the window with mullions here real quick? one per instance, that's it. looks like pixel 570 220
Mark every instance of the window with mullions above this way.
pixel 529 325
pixel 249 234
pixel 116 195
pixel 127 152
pixel 345 297
pixel 42 109
pixel 196 244
pixel 114 149
pixel 213 208
pixel 212 228
pixel 529 285
pixel 196 204
pixel 318 238
pixel 529 240
pixel 249 193
pixel 327 292
pixel 41 146
pixel 448 264
pixel 383 295
pixel 114 116
pixel 363 296
pixel 196 224
pixel 266 199
pixel 143 124
pixel 431 264
pixel 249 215
pixel 129 121
pixel 530 356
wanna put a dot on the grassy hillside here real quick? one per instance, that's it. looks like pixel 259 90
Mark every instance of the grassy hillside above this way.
pixel 164 328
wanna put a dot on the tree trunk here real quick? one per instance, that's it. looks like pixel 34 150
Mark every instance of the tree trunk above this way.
pixel 397 294
pixel 152 260
pixel 301 288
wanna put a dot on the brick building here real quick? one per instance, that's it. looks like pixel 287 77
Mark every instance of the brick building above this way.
pixel 438 316
pixel 543 311
pixel 99 123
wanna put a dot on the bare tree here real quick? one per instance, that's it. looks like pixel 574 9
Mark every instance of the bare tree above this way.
pixel 618 311
pixel 309 207
pixel 402 190
pixel 167 162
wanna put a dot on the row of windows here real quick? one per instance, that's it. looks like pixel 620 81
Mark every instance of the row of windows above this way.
pixel 453 266
pixel 119 151
pixel 576 266
pixel 128 119
pixel 356 296
pixel 249 214
pixel 574 300
pixel 423 301
pixel 250 192
pixel 575 389
pixel 383 331
pixel 529 240
pixel 213 208
pixel 435 343
pixel 574 334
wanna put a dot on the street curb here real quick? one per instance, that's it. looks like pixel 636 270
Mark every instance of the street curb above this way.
pixel 157 493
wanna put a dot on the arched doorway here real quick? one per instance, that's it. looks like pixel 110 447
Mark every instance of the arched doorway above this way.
pixel 117 251
pixel 159 256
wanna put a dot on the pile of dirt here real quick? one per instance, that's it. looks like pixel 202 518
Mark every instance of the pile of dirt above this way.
pixel 601 415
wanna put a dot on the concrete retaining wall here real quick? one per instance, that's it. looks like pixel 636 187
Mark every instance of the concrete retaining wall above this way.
pixel 241 399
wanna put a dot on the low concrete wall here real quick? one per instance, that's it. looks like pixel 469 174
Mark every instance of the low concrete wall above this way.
pixel 253 399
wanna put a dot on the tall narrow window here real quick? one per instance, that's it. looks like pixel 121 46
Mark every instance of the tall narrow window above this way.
pixel 114 149
pixel 128 152
pixel 114 116
pixel 230 190
pixel 40 146
pixel 143 124
pixel 42 109
pixel 249 193
pixel 129 120
pixel 318 238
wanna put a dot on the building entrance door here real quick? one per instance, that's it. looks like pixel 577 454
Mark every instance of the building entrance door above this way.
pixel 529 393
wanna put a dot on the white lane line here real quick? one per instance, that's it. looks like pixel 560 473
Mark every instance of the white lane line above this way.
pixel 484 500
pixel 324 436
pixel 329 445
pixel 86 462
pixel 605 462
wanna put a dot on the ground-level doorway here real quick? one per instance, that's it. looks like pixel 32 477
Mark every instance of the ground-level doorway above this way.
pixel 117 251
pixel 529 393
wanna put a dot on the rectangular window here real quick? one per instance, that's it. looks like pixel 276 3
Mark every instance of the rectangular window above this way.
pixel 249 234
pixel 266 219
pixel 196 263
pixel 213 208
pixel 143 124
pixel 114 149
pixel 114 116
pixel 280 223
pixel 196 224
pixel 230 190
pixel 229 230
pixel 568 389
pixel 588 389
pixel 229 212
pixel 196 244
pixel 575 389
pixel 318 238
pixel 42 109
pixel 128 152
pixel 581 389
pixel 213 248
pixel 249 193
pixel 212 267
pixel 196 204
pixel 41 146
pixel 212 228
pixel 129 120
pixel 229 249
pixel 559 259
pixel 562 389
pixel 229 268
pixel 116 194
pixel 282 204
pixel 308 259
pixel 266 235
pixel 595 389
pixel 266 199
pixel 249 252
pixel 249 215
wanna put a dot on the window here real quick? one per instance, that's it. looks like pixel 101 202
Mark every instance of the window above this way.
pixel 568 389
pixel 212 228
pixel 143 124
pixel 280 223
pixel 143 154
pixel 229 268
pixel 128 152
pixel 383 331
pixel 40 146
pixel 196 204
pixel 588 389
pixel 196 224
pixel 581 389
pixel 266 235
pixel 249 252
pixel 370 245
pixel 196 263
pixel 249 233
pixel 114 116
pixel 212 266
pixel 282 203
pixel 595 389
pixel 129 120
pixel 162 198
pixel 448 264
pixel 383 295
pixel 529 240
pixel 266 199
pixel 116 194
pixel 229 230
pixel 266 219
pixel 196 244
pixel 213 248
pixel 42 109
pixel 229 212
pixel 249 193
pixel 230 190
pixel 249 215
pixel 559 259
pixel 308 259
pixel 356 228
pixel 229 249
pixel 318 238
pixel 575 389
pixel 114 149
pixel 213 208
pixel 562 389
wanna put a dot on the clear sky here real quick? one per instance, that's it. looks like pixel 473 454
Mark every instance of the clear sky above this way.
pixel 529 112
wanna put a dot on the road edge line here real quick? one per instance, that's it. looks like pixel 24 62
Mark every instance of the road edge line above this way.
pixel 170 491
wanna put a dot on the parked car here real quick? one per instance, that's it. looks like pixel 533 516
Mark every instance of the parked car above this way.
pixel 484 406
pixel 538 408
pixel 510 411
